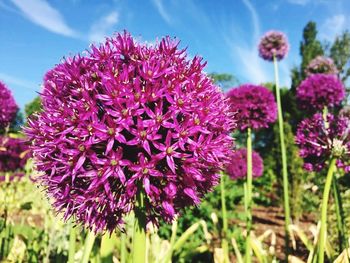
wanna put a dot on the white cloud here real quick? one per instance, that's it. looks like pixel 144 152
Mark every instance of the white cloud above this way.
pixel 43 14
pixel 161 10
pixel 11 80
pixel 333 26
pixel 100 29
pixel 252 68
pixel 255 18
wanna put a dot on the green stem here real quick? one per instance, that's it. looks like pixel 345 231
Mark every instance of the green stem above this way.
pixel 249 200
pixel 284 161
pixel 224 242
pixel 327 188
pixel 88 244
pixel 339 214
pixel 123 248
pixel 72 239
pixel 139 237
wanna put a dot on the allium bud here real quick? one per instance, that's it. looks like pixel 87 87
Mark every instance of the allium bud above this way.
pixel 273 43
pixel 128 118
pixel 8 108
pixel 254 106
pixel 321 65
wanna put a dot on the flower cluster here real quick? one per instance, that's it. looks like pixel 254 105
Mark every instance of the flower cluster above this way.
pixel 8 108
pixel 319 140
pixel 254 106
pixel 13 154
pixel 237 168
pixel 128 118
pixel 273 44
pixel 321 64
pixel 319 91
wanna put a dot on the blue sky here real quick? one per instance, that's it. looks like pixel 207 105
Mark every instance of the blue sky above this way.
pixel 36 34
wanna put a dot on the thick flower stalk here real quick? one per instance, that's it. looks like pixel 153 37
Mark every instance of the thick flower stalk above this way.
pixel 319 91
pixel 129 123
pixel 273 44
pixel 8 108
pixel 254 106
pixel 237 168
pixel 321 139
pixel 318 142
pixel 321 65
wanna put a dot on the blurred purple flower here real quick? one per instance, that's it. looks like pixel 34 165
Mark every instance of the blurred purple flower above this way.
pixel 128 118
pixel 13 154
pixel 318 141
pixel 255 106
pixel 273 43
pixel 13 177
pixel 237 167
pixel 8 108
pixel 321 65
pixel 319 91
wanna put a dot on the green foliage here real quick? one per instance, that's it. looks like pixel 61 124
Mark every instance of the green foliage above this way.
pixel 340 53
pixel 224 80
pixel 33 106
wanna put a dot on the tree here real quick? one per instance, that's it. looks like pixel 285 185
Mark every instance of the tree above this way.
pixel 33 106
pixel 224 80
pixel 340 53
pixel 310 47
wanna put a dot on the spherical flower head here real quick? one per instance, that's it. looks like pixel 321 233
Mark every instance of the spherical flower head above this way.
pixel 237 167
pixel 254 106
pixel 9 108
pixel 273 44
pixel 321 65
pixel 13 154
pixel 319 91
pixel 318 141
pixel 129 118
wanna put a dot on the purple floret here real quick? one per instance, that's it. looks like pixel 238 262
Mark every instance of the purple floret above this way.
pixel 319 91
pixel 127 118
pixel 318 141
pixel 321 65
pixel 273 43
pixel 255 106
pixel 237 168
pixel 8 108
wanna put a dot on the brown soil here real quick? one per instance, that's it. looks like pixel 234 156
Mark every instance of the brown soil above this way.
pixel 272 218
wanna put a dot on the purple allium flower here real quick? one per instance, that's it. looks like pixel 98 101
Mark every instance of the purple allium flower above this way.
pixel 273 43
pixel 128 118
pixel 8 108
pixel 237 168
pixel 318 141
pixel 255 106
pixel 319 91
pixel 13 154
pixel 321 64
